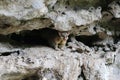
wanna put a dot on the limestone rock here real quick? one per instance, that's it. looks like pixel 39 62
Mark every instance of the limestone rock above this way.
pixel 88 55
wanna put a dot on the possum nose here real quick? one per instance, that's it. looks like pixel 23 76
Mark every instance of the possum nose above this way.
pixel 65 38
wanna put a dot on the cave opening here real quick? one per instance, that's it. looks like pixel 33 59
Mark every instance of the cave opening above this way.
pixel 30 37
pixel 88 40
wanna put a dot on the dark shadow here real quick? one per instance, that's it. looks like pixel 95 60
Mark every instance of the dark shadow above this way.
pixel 29 38
pixel 88 40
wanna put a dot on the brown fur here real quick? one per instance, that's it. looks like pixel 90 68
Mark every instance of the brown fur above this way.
pixel 56 39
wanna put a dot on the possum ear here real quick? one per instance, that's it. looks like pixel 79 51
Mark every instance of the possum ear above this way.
pixel 59 33
pixel 64 34
pixel 68 32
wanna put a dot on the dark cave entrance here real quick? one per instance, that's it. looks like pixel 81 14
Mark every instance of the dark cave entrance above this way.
pixel 29 37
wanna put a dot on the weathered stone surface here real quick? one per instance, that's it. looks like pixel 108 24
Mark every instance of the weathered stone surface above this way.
pixel 23 10
pixel 17 26
pixel 14 12
pixel 115 9
pixel 96 57
pixel 36 58
pixel 23 63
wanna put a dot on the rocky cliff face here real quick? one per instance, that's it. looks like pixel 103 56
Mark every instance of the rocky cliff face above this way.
pixel 92 51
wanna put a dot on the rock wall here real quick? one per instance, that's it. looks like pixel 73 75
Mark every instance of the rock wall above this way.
pixel 92 54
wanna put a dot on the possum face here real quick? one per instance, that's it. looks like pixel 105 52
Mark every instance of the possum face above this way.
pixel 64 35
